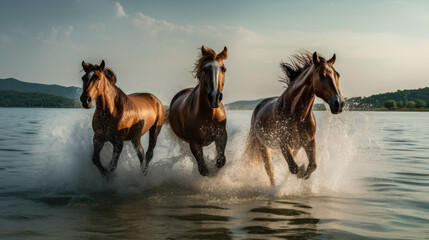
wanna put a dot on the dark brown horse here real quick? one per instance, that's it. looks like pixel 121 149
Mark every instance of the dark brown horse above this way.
pixel 197 115
pixel 119 117
pixel 287 122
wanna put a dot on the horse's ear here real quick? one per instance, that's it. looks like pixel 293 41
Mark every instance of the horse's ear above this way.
pixel 204 51
pixel 316 59
pixel 224 54
pixel 332 60
pixel 85 66
pixel 102 65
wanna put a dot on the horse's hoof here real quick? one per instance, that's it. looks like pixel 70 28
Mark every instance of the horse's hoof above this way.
pixel 204 171
pixel 109 176
pixel 294 169
pixel 145 171
pixel 307 174
pixel 103 172
pixel 220 162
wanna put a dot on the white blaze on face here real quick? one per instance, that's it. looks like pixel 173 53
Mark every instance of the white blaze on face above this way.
pixel 215 72
pixel 90 75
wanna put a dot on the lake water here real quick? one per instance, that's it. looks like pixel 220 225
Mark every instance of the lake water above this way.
pixel 372 182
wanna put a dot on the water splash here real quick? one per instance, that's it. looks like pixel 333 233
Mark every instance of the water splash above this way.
pixel 66 165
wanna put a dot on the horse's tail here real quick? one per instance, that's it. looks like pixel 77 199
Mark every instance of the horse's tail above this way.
pixel 166 118
pixel 253 152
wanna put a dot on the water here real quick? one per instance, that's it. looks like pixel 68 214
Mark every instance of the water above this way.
pixel 371 182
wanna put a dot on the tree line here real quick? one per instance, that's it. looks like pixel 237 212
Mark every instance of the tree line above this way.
pixel 11 98
pixel 401 99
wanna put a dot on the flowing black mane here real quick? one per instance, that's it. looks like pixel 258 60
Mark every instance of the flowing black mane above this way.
pixel 298 63
pixel 199 64
pixel 110 75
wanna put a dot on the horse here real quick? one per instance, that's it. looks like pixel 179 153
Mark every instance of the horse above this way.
pixel 119 117
pixel 287 122
pixel 197 115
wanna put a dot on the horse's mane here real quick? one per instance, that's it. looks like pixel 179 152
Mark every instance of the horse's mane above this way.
pixel 198 69
pixel 299 61
pixel 110 75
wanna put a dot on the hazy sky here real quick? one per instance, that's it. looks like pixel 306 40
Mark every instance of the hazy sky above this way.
pixel 152 45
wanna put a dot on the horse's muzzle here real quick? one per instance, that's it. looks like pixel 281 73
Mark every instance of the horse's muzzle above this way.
pixel 214 98
pixel 336 105
pixel 86 102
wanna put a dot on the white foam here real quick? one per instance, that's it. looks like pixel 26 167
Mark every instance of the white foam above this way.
pixel 66 164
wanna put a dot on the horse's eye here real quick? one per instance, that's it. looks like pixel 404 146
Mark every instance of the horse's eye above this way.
pixel 322 77
pixel 223 69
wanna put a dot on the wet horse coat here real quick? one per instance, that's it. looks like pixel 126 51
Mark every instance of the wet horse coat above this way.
pixel 197 115
pixel 287 122
pixel 119 117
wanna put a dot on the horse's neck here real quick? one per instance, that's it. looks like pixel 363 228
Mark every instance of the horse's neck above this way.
pixel 107 102
pixel 299 97
pixel 201 99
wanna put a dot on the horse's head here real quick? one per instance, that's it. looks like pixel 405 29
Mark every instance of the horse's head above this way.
pixel 326 83
pixel 210 71
pixel 93 83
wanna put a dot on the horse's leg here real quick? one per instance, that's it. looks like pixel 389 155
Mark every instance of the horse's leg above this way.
pixel 287 154
pixel 117 149
pixel 197 151
pixel 153 136
pixel 301 169
pixel 269 168
pixel 295 152
pixel 310 149
pixel 220 148
pixel 98 145
pixel 139 149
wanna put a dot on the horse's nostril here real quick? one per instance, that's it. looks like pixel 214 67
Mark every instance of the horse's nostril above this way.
pixel 337 104
pixel 220 96
pixel 88 100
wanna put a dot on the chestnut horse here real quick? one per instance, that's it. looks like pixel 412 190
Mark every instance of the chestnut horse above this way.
pixel 197 115
pixel 119 117
pixel 287 122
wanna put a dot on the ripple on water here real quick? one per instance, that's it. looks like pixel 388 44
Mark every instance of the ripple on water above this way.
pixel 202 217
pixel 11 150
pixel 278 211
pixel 393 204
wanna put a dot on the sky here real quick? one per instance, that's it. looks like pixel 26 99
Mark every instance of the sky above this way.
pixel 381 46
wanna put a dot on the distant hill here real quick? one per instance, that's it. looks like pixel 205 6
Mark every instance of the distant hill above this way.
pixel 409 99
pixel 243 104
pixel 251 104
pixel 16 85
pixel 12 98
pixel 404 99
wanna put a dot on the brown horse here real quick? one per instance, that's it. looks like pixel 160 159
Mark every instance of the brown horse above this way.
pixel 119 117
pixel 287 122
pixel 197 115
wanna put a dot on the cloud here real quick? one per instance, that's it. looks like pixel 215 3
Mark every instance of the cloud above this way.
pixel 68 32
pixel 5 39
pixel 56 35
pixel 120 10
pixel 97 27
pixel 154 26
pixel 20 31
